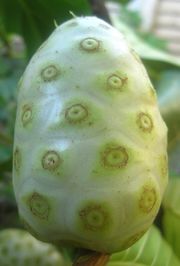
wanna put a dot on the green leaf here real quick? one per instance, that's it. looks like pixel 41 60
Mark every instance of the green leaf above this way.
pixel 5 153
pixel 34 20
pixel 8 88
pixel 5 67
pixel 151 249
pixel 168 89
pixel 144 49
pixel 119 263
pixel 5 167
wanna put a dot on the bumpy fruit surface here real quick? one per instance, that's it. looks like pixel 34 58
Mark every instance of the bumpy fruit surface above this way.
pixel 90 163
pixel 19 248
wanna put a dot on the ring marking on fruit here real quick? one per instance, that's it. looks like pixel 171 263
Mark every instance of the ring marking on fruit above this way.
pixel 148 199
pixel 94 217
pixel 39 206
pixel 49 73
pixel 115 157
pixel 76 113
pixel 17 159
pixel 144 122
pixel 27 115
pixel 51 160
pixel 90 44
pixel 115 82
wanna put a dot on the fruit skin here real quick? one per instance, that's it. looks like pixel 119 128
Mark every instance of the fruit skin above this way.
pixel 18 247
pixel 90 161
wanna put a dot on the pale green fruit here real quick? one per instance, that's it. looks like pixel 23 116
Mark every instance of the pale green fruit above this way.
pixel 19 248
pixel 90 162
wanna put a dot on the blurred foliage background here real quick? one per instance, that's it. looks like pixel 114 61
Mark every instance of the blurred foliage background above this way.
pixel 25 24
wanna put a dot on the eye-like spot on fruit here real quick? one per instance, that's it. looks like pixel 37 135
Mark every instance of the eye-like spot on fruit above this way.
pixel 115 157
pixel 17 159
pixel 144 122
pixel 148 198
pixel 51 160
pixel 94 217
pixel 90 44
pixel 39 206
pixel 115 82
pixel 76 113
pixel 27 115
pixel 49 73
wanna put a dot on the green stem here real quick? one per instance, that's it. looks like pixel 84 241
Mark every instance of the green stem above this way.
pixel 90 258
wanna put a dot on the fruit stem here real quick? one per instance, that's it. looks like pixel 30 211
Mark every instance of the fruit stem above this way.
pixel 90 258
pixel 99 9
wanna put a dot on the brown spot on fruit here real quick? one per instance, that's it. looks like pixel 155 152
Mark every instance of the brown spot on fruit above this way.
pixel 76 113
pixel 27 115
pixel 90 44
pixel 144 122
pixel 148 198
pixel 94 217
pixel 115 82
pixel 51 160
pixel 49 73
pixel 115 157
pixel 17 159
pixel 39 206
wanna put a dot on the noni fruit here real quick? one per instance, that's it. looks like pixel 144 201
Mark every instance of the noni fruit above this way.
pixel 19 248
pixel 90 162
